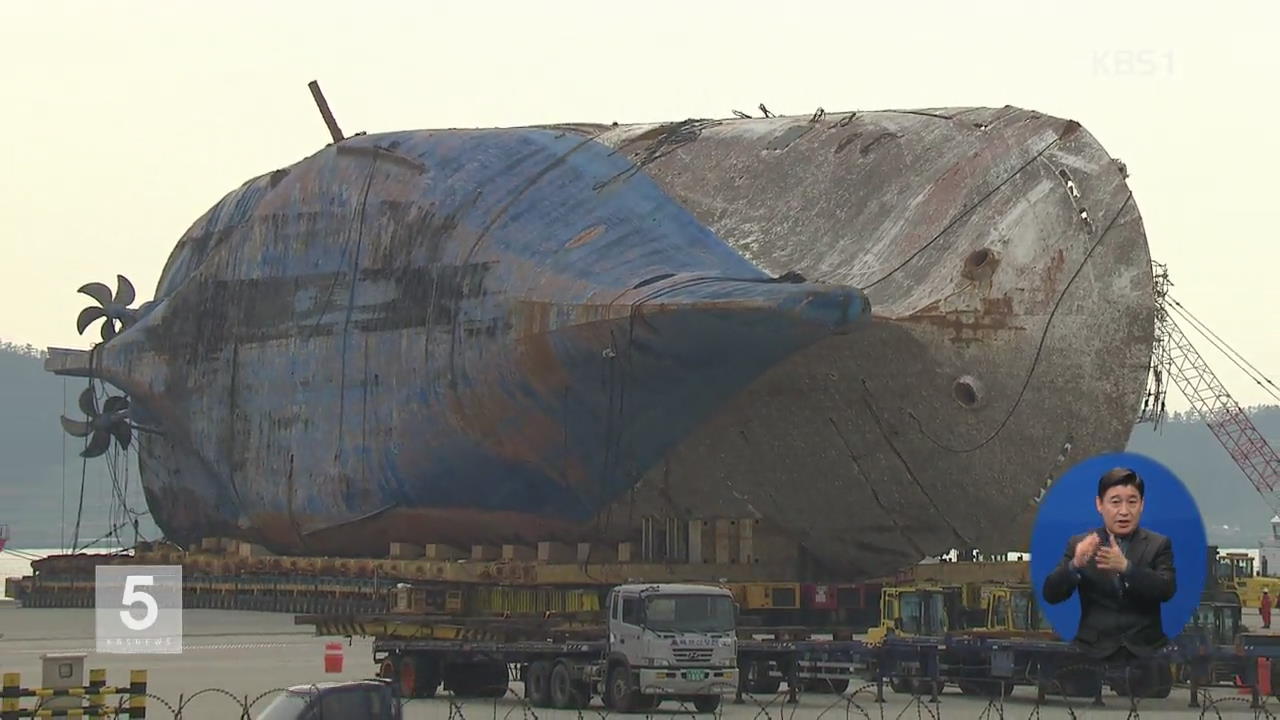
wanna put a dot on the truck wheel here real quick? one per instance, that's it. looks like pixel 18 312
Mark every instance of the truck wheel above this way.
pixel 706 703
pixel 537 684
pixel 565 693
pixel 618 691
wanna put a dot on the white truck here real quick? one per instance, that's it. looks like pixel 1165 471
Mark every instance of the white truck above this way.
pixel 658 642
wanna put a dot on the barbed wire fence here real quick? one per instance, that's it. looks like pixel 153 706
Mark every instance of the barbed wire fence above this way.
pixel 1076 692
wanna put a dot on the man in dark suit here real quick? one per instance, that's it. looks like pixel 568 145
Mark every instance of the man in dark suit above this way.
pixel 1123 573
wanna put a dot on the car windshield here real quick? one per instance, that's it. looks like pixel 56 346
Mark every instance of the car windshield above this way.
pixel 689 613
pixel 286 706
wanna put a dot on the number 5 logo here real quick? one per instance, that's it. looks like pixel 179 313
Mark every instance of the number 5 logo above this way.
pixel 133 596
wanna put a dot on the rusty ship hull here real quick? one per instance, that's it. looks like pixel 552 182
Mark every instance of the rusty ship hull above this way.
pixel 878 335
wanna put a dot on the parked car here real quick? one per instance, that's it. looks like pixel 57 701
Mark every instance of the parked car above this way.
pixel 354 700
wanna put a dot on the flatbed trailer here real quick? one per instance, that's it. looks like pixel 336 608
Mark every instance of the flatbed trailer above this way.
pixel 978 664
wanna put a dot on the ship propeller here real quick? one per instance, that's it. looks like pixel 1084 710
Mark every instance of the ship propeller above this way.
pixel 112 308
pixel 112 421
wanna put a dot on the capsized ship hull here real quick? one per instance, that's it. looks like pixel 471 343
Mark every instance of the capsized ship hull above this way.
pixel 534 334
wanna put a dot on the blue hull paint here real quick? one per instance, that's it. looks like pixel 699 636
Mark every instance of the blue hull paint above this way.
pixel 443 322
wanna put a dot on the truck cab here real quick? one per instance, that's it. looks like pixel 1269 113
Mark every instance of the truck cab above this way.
pixel 670 641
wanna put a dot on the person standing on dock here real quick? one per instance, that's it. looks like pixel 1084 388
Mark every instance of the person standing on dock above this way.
pixel 1123 572
pixel 1264 608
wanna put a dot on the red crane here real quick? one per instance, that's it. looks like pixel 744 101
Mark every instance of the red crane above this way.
pixel 1176 359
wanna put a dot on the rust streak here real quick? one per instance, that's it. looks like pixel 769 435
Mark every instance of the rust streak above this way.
pixel 585 236
pixel 970 325
pixel 874 493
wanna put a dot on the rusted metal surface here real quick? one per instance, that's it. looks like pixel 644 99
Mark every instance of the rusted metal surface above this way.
pixel 1008 272
pixel 511 336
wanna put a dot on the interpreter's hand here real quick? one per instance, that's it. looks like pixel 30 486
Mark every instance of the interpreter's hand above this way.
pixel 1084 550
pixel 1111 557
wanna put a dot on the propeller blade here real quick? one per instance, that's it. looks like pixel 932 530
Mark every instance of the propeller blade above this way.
pixel 115 403
pixel 97 291
pixel 88 403
pixel 87 316
pixel 124 291
pixel 108 329
pixel 97 445
pixel 123 434
pixel 75 428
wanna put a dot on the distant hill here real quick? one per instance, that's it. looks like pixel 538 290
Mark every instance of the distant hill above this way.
pixel 32 455
pixel 32 472
pixel 1234 513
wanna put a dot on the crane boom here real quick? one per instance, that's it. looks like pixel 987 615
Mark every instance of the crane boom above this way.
pixel 1179 360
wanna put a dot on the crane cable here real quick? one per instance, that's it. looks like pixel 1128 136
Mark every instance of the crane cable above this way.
pixel 1256 375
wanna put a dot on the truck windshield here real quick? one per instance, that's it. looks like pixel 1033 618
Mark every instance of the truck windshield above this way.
pixel 689 613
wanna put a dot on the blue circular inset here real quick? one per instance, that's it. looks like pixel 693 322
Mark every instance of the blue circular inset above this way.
pixel 1069 509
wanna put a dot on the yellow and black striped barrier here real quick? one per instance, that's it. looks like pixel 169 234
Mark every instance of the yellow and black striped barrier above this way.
pixel 95 694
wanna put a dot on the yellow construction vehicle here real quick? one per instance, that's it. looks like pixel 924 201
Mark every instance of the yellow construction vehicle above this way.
pixel 919 610
pixel 1236 573
pixel 980 608
pixel 1012 609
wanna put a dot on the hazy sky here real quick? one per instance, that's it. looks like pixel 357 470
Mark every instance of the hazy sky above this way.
pixel 122 122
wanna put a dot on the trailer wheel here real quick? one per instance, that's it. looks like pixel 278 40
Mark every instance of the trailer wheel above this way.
pixel 1147 682
pixel 496 680
pixel 1079 682
pixel 416 678
pixel 565 693
pixel 836 686
pixel 986 687
pixel 537 684
pixel 706 703
pixel 479 680
pixel 757 680
pixel 407 676
pixel 387 670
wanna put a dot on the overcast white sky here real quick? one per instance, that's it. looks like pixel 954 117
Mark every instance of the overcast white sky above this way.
pixel 122 122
